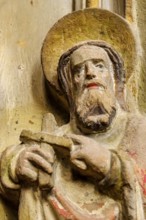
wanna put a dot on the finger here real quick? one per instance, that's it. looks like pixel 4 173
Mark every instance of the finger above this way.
pixel 79 139
pixel 26 173
pixel 45 181
pixel 48 150
pixel 43 152
pixel 76 154
pixel 79 163
pixel 39 161
pixel 75 138
pixel 76 159
pixel 75 147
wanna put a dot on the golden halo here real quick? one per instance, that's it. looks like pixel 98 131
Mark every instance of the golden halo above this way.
pixel 84 25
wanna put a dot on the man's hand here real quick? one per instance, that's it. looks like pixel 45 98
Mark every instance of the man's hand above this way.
pixel 89 157
pixel 33 159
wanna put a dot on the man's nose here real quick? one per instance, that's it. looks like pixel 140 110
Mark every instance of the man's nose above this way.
pixel 90 71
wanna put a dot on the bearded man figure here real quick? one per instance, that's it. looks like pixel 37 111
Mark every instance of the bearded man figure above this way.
pixel 94 178
pixel 92 77
pixel 92 100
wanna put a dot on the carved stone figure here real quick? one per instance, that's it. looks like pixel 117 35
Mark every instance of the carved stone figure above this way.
pixel 84 169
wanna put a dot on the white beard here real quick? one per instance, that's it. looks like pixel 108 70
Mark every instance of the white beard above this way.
pixel 95 109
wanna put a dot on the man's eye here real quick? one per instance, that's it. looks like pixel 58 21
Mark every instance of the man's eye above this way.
pixel 99 65
pixel 78 69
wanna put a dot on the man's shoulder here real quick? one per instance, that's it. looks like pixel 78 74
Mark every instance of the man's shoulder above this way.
pixel 135 132
pixel 136 120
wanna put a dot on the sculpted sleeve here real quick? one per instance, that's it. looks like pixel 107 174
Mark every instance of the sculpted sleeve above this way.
pixel 9 186
pixel 112 182
pixel 121 183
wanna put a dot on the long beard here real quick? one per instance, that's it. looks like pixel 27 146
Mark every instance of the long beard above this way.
pixel 95 110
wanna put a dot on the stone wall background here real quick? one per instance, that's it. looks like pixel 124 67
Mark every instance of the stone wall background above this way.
pixel 23 27
pixel 141 22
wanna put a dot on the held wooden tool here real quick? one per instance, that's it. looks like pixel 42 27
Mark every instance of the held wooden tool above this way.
pixel 30 207
pixel 53 140
pixel 60 141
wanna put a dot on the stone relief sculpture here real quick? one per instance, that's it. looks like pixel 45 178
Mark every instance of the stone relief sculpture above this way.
pixel 84 169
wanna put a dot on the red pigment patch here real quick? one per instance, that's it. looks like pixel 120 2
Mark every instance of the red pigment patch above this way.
pixel 140 172
pixel 133 154
pixel 143 180
pixel 61 211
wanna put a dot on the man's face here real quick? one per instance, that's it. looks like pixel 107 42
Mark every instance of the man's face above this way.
pixel 93 85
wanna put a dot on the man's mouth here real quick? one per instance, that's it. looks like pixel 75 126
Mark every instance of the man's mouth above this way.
pixel 94 85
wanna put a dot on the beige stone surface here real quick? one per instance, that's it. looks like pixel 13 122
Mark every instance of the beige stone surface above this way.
pixel 23 27
pixel 141 21
pixel 135 14
pixel 117 6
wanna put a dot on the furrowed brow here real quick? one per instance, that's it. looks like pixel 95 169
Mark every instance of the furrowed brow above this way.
pixel 98 60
